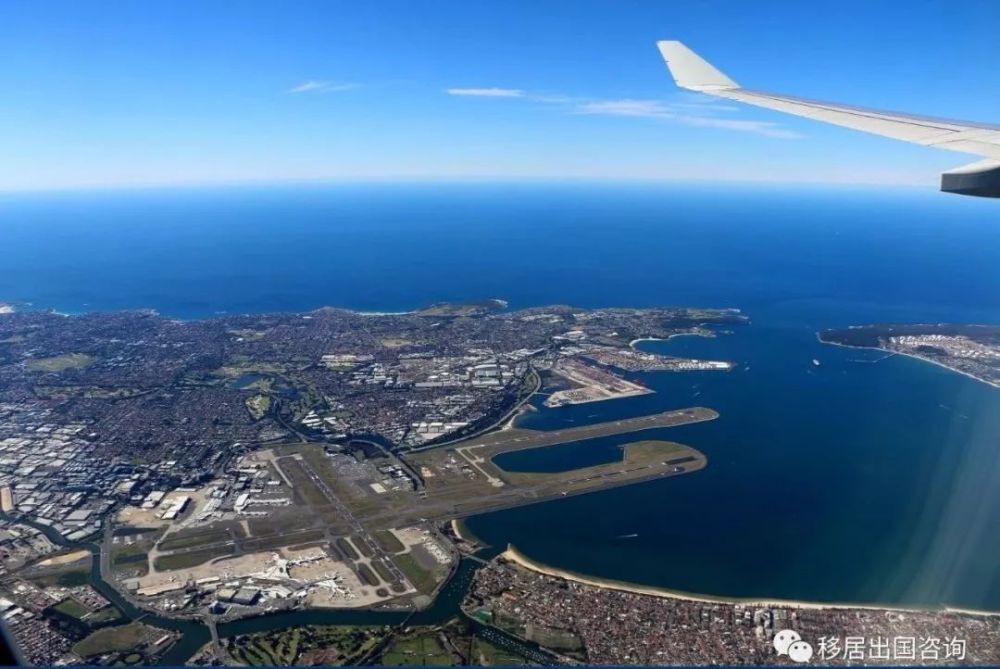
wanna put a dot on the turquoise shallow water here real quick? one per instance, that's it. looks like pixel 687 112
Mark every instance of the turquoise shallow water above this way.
pixel 852 481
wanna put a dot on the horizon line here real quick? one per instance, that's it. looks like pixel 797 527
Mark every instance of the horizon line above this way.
pixel 445 179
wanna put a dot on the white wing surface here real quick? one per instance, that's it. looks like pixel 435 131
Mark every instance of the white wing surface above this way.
pixel 692 72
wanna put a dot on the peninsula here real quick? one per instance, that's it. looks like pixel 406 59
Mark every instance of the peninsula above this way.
pixel 973 350
pixel 231 467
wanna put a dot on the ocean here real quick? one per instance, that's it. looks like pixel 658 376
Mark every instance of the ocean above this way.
pixel 863 479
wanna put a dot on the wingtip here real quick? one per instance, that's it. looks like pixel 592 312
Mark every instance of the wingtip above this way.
pixel 690 70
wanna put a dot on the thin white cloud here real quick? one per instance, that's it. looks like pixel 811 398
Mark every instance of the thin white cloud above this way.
pixel 697 111
pixel 683 113
pixel 765 128
pixel 316 86
pixel 706 107
pixel 487 92
pixel 554 99
pixel 626 107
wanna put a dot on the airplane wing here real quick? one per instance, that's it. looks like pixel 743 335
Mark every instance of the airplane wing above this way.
pixel 982 178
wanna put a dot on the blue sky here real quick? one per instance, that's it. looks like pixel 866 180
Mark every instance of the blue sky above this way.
pixel 129 93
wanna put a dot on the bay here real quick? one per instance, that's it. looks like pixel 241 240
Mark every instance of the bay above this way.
pixel 861 479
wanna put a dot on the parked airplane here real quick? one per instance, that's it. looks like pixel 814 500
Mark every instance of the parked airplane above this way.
pixel 981 178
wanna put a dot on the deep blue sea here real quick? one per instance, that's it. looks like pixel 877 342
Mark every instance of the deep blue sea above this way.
pixel 862 479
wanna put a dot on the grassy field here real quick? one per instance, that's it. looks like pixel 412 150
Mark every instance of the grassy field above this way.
pixel 553 638
pixel 636 455
pixel 67 576
pixel 129 531
pixel 270 650
pixel 421 579
pixel 191 558
pixel 176 543
pixel 508 623
pixel 115 639
pixel 422 649
pixel 367 575
pixel 360 502
pixel 321 465
pixel 305 489
pixel 59 363
pixel 388 541
pixel 484 653
pixel 640 451
pixel 280 520
pixel 382 570
pixel 92 392
pixel 240 365
pixel 105 615
pixel 346 547
pixel 121 553
pixel 71 579
pixel 72 608
pixel 290 539
pixel 131 559
pixel 362 546
pixel 189 538
pixel 395 342
pixel 309 645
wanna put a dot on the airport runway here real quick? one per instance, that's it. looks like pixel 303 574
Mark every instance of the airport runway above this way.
pixel 515 440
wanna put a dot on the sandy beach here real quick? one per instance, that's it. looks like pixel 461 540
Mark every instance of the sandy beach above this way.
pixel 679 334
pixel 914 356
pixel 520 558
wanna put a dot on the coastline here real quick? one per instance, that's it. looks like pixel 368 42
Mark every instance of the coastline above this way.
pixel 910 355
pixel 632 343
pixel 463 532
pixel 516 556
